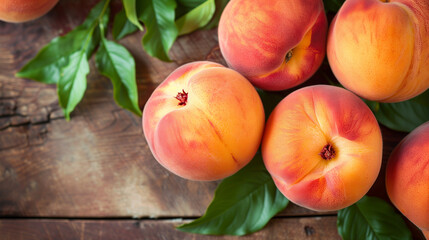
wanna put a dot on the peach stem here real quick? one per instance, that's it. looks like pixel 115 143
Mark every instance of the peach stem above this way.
pixel 328 152
pixel 289 55
pixel 182 97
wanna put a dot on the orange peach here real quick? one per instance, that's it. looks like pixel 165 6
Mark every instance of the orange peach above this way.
pixel 24 10
pixel 322 145
pixel 407 177
pixel 276 44
pixel 204 122
pixel 380 49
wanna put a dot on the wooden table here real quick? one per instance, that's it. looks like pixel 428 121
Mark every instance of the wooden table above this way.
pixel 94 177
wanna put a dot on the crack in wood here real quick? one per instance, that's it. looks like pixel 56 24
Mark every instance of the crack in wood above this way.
pixel 24 111
pixel 23 136
pixel 7 107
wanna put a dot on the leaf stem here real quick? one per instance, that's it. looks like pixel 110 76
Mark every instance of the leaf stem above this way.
pixel 95 23
pixel 100 20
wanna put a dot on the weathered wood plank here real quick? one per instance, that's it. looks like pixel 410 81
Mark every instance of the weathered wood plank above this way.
pixel 98 164
pixel 279 228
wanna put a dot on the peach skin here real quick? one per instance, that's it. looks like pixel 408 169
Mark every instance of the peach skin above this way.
pixel 323 147
pixel 276 44
pixel 17 11
pixel 380 49
pixel 204 122
pixel 407 177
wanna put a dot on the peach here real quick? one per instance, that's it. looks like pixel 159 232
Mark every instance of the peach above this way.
pixel 380 49
pixel 407 177
pixel 277 44
pixel 323 147
pixel 204 122
pixel 24 10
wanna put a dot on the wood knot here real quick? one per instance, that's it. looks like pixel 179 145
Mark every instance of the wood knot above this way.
pixel 309 230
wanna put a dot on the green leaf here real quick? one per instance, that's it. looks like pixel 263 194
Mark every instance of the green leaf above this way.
pixel 190 3
pixel 102 20
pixel 65 59
pixel 371 218
pixel 270 100
pixel 161 32
pixel 422 99
pixel 122 26
pixel 47 64
pixel 99 10
pixel 333 5
pixel 130 10
pixel 184 6
pixel 220 5
pixel 243 203
pixel 72 84
pixel 402 116
pixel 115 62
pixel 196 18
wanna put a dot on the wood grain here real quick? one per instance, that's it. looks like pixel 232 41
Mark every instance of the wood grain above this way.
pixel 291 229
pixel 98 164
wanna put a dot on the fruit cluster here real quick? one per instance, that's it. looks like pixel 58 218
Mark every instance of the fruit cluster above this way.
pixel 322 145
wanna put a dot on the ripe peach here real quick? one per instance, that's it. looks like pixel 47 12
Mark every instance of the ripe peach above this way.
pixel 24 10
pixel 322 145
pixel 407 177
pixel 277 44
pixel 204 122
pixel 380 49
